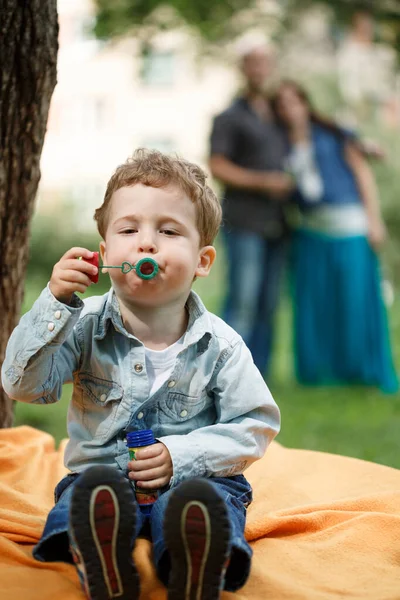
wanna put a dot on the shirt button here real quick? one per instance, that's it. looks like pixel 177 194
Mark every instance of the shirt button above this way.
pixel 140 415
pixel 183 413
pixel 171 383
pixel 50 326
pixel 103 398
pixel 138 368
pixel 57 314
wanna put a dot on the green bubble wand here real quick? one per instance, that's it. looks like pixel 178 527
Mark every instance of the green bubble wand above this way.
pixel 145 268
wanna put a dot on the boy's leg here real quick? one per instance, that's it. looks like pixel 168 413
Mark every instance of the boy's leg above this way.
pixel 102 531
pixel 83 492
pixel 204 523
pixel 238 495
pixel 53 545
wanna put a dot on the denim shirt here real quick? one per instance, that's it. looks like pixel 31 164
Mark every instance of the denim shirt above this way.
pixel 215 414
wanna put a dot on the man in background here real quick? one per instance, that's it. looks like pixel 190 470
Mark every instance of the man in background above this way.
pixel 247 157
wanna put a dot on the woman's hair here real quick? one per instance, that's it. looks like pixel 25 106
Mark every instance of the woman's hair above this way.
pixel 315 116
pixel 155 169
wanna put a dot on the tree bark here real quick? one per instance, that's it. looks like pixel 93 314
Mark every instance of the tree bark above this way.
pixel 28 74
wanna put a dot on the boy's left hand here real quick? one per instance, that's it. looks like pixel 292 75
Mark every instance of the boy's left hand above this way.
pixel 152 468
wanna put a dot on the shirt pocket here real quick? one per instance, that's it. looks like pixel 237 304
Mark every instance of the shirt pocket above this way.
pixel 100 400
pixel 181 407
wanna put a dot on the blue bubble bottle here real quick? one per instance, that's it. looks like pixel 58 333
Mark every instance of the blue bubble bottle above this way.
pixel 137 440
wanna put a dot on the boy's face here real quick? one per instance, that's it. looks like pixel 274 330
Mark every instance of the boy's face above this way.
pixel 159 223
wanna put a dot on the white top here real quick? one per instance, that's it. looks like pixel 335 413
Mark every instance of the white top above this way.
pixel 337 220
pixel 303 166
pixel 160 363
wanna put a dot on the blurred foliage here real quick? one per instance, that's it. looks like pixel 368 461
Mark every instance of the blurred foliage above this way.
pixel 48 243
pixel 214 21
pixel 386 14
pixel 389 187
pixel 219 22
pixel 345 8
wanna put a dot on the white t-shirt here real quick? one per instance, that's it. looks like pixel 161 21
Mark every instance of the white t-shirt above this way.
pixel 160 363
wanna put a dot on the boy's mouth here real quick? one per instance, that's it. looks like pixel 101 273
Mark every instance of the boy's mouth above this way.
pixel 146 268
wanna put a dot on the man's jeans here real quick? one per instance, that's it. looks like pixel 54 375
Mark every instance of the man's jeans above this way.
pixel 255 266
pixel 236 492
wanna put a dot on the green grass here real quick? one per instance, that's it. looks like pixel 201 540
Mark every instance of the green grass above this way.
pixel 351 421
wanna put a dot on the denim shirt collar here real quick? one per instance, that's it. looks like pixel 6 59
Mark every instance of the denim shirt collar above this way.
pixel 199 329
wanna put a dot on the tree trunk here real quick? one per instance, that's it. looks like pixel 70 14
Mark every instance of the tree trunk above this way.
pixel 28 74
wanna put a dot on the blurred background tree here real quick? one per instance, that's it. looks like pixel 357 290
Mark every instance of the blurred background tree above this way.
pixel 28 50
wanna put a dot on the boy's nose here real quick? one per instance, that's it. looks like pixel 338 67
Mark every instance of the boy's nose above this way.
pixel 147 244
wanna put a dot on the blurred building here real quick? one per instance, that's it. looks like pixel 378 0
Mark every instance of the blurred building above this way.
pixel 110 99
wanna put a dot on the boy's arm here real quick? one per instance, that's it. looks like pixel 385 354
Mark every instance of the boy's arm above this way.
pixel 42 352
pixel 248 420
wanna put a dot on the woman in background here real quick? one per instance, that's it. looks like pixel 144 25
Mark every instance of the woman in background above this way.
pixel 341 328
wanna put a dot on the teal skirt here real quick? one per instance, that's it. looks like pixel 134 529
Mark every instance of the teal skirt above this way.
pixel 340 320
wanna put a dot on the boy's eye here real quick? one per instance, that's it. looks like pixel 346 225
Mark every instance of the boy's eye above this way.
pixel 129 230
pixel 169 232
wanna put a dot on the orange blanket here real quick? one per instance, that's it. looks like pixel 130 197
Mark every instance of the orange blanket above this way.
pixel 322 526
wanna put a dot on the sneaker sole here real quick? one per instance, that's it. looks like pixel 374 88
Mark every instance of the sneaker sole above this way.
pixel 197 535
pixel 103 518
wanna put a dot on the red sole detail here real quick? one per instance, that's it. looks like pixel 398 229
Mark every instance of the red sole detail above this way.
pixel 195 529
pixel 106 520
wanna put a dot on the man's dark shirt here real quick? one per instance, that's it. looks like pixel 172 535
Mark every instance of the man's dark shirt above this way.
pixel 242 137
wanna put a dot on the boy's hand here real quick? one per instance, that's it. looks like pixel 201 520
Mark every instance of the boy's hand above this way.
pixel 71 274
pixel 152 468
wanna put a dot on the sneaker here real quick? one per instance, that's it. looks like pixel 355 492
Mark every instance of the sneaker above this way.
pixel 197 535
pixel 102 525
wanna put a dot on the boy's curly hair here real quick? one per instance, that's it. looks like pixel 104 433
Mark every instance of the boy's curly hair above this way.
pixel 155 169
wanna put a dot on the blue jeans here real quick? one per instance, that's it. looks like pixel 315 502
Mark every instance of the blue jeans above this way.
pixel 255 266
pixel 236 492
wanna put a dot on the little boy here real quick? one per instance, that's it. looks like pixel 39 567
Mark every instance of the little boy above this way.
pixel 147 355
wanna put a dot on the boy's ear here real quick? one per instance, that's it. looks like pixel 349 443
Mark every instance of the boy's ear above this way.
pixel 207 256
pixel 102 254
